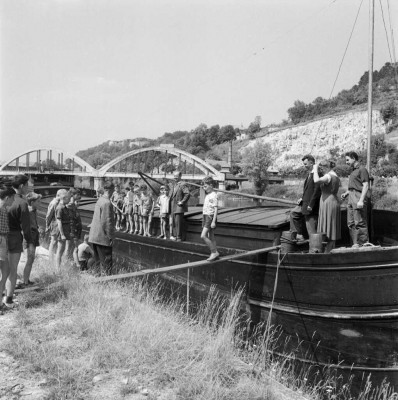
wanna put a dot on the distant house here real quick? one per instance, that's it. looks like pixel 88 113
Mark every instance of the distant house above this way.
pixel 138 142
pixel 242 135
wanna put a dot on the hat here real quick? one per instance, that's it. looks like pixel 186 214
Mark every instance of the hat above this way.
pixel 32 196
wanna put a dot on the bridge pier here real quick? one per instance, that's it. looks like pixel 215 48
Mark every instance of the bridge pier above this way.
pixel 98 182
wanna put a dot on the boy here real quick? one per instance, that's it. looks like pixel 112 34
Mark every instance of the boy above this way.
pixel 84 253
pixel 147 205
pixel 136 208
pixel 19 222
pixel 33 200
pixel 52 226
pixel 210 210
pixel 130 209
pixel 76 225
pixel 64 226
pixel 6 200
pixel 164 209
pixel 117 203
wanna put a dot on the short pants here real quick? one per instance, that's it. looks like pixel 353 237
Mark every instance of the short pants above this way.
pixel 3 248
pixel 206 221
pixel 15 240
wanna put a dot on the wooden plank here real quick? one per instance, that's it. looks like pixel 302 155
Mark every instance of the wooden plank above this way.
pixel 179 267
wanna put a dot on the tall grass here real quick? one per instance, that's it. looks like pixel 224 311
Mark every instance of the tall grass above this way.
pixel 80 329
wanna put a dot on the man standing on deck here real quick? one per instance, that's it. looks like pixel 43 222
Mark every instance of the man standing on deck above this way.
pixel 102 230
pixel 19 224
pixel 304 217
pixel 179 196
pixel 358 185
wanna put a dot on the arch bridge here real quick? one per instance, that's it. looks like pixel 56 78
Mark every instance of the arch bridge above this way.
pixel 159 162
pixel 45 161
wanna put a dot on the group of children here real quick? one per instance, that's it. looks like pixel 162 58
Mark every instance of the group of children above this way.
pixel 134 208
pixel 64 224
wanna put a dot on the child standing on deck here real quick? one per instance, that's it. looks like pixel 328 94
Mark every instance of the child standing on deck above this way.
pixel 210 210
pixel 147 205
pixel 164 210
pixel 130 206
pixel 136 208
pixel 33 200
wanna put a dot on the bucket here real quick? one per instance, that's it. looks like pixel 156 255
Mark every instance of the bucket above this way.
pixel 288 242
pixel 316 242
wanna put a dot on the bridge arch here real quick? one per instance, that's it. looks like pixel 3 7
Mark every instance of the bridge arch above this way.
pixel 180 155
pixel 65 162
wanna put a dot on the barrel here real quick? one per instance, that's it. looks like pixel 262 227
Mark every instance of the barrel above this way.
pixel 316 242
pixel 288 242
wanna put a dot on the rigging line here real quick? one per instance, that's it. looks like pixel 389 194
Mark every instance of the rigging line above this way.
pixel 338 72
pixel 392 37
pixel 388 42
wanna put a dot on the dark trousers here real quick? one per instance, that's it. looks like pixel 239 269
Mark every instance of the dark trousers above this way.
pixel 357 219
pixel 178 225
pixel 302 224
pixel 103 258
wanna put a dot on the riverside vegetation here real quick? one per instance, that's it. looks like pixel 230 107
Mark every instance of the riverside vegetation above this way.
pixel 127 341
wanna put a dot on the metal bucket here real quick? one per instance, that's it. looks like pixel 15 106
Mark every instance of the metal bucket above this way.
pixel 316 242
pixel 288 242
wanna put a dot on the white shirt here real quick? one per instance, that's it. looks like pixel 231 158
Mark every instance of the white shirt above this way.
pixel 210 204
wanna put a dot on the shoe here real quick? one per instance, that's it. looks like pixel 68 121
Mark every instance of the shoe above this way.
pixel 149 235
pixel 300 238
pixel 355 246
pixel 214 256
pixel 173 238
pixel 30 283
pixel 9 304
pixel 160 236
pixel 165 237
pixel 20 285
pixel 178 240
pixel 131 232
pixel 136 232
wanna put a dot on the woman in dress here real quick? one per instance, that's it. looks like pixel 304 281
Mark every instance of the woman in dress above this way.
pixel 329 220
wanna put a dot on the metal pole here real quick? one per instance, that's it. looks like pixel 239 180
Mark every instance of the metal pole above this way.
pixel 188 269
pixel 370 88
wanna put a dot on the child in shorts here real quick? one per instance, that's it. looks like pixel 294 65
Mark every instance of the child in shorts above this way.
pixel 129 199
pixel 117 203
pixel 147 205
pixel 64 226
pixel 52 226
pixel 6 199
pixel 164 210
pixel 33 200
pixel 84 254
pixel 136 208
pixel 210 210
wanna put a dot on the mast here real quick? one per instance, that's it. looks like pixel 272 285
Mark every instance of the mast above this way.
pixel 370 86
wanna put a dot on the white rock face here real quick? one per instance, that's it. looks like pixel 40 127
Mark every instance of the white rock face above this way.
pixel 348 132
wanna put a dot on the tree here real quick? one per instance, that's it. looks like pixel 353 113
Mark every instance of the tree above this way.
pixel 297 112
pixel 256 160
pixel 227 133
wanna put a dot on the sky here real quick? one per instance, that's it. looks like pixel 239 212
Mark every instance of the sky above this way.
pixel 75 73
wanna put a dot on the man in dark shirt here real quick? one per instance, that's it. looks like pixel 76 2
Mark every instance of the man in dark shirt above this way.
pixel 179 196
pixel 304 217
pixel 19 223
pixel 102 230
pixel 358 185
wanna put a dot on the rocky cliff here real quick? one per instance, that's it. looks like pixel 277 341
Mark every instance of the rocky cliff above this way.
pixel 339 133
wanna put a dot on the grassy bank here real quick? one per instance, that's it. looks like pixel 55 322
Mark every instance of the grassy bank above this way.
pixel 91 341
